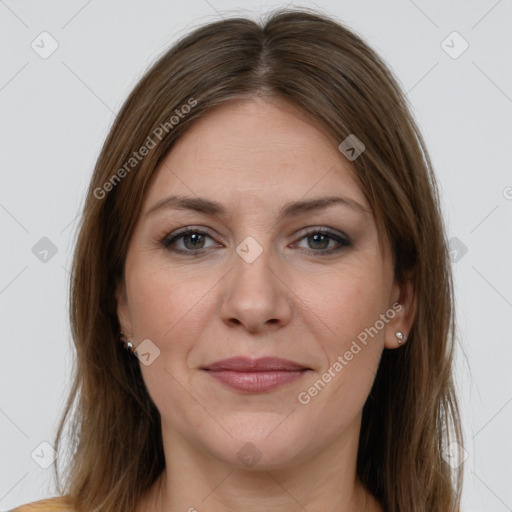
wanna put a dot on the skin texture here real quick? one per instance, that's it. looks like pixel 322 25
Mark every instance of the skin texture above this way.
pixel 253 156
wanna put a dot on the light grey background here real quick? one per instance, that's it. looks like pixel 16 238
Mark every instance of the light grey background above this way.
pixel 55 113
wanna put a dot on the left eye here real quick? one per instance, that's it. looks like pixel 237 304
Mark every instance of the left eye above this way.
pixel 193 241
pixel 322 238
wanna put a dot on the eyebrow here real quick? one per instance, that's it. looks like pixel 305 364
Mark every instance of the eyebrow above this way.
pixel 207 207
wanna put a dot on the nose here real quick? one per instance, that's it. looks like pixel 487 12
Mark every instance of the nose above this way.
pixel 255 295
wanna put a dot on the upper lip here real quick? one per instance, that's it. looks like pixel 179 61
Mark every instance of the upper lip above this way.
pixel 246 364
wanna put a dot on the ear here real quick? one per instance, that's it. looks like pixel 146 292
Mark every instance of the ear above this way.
pixel 123 310
pixel 404 304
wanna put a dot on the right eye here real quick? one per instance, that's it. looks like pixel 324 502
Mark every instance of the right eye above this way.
pixel 192 241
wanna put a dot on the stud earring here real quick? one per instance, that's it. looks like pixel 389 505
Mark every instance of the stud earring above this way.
pixel 127 345
pixel 401 336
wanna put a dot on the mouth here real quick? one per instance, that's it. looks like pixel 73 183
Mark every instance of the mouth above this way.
pixel 255 375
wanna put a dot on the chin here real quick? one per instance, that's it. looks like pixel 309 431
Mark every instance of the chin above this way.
pixel 260 447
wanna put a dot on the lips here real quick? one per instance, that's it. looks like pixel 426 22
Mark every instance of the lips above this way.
pixel 245 364
pixel 255 375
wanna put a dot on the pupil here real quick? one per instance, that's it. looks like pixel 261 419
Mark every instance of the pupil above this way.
pixel 195 237
pixel 316 238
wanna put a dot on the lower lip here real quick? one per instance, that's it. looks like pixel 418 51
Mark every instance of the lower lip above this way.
pixel 255 381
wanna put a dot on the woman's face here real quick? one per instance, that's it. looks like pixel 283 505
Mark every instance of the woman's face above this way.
pixel 259 280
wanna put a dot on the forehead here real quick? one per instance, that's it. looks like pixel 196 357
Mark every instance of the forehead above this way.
pixel 255 149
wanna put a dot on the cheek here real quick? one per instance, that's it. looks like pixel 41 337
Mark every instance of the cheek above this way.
pixel 169 308
pixel 349 301
pixel 165 303
pixel 349 307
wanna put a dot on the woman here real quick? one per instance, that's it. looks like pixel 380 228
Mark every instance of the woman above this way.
pixel 261 295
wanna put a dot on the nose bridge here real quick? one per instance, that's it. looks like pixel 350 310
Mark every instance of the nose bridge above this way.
pixel 252 261
pixel 254 294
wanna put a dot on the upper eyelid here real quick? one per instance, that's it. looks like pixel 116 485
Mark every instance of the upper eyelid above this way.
pixel 207 231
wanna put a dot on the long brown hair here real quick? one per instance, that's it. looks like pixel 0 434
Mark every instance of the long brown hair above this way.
pixel 329 72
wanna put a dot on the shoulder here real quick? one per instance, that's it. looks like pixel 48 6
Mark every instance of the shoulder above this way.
pixel 58 504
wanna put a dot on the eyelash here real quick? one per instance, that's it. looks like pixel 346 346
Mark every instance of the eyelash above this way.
pixel 343 241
